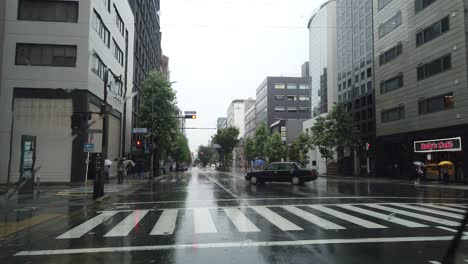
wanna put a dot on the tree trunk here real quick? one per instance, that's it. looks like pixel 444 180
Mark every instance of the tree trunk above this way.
pixel 326 167
pixel 156 165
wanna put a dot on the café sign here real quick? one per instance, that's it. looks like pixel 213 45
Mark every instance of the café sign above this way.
pixel 437 145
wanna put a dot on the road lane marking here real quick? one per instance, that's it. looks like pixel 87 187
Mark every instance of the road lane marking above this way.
pixel 325 224
pixel 445 208
pixel 163 180
pixel 174 180
pixel 458 206
pixel 236 245
pixel 385 217
pixel 203 221
pixel 222 187
pixel 451 230
pixel 427 210
pixel 277 220
pixel 87 226
pixel 435 262
pixel 126 226
pixel 414 215
pixel 347 217
pixel 166 223
pixel 240 221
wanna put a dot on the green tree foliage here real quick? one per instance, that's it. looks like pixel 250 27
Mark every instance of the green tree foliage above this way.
pixel 181 151
pixel 249 151
pixel 205 155
pixel 294 151
pixel 260 142
pixel 276 148
pixel 227 140
pixel 157 113
pixel 336 130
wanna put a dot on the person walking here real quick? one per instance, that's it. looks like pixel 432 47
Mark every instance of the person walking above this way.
pixel 121 171
pixel 419 175
pixel 445 174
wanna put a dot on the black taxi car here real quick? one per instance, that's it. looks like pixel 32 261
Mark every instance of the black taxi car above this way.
pixel 282 172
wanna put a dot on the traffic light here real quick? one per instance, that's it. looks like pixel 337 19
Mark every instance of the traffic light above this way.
pixel 190 116
pixel 368 146
pixel 139 144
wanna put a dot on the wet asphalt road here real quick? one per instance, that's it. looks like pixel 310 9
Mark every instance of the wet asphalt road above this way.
pixel 203 216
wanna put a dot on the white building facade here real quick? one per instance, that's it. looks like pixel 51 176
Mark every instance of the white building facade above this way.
pixel 322 68
pixel 236 114
pixel 55 57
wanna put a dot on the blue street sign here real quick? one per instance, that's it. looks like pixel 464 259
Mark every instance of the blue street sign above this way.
pixel 88 147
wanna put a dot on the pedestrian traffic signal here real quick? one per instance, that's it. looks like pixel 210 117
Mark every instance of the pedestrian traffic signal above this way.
pixel 368 146
pixel 139 144
pixel 190 116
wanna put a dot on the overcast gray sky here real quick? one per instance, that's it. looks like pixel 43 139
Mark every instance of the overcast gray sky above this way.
pixel 221 50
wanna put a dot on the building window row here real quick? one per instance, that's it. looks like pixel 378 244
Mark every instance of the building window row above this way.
pixel 420 5
pixel 99 67
pixel 393 114
pixel 391 54
pixel 434 67
pixel 48 11
pixel 46 55
pixel 433 31
pixel 291 86
pixel 383 3
pixel 390 25
pixel 392 84
pixel 436 104
pixel 101 29
pixel 119 22
pixel 118 53
pixel 107 4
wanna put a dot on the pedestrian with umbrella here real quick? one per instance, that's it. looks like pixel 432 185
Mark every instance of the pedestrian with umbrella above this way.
pixel 419 173
pixel 107 164
pixel 445 170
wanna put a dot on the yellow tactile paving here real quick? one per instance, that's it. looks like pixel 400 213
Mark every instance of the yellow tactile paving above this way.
pixel 9 228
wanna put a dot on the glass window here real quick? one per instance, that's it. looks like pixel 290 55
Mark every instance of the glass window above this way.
pixel 292 98
pixel 433 31
pixel 45 55
pixel 390 25
pixel 304 109
pixel 369 86
pixel 280 109
pixel 279 97
pixel 292 109
pixel 101 29
pixel 436 104
pixel 292 86
pixel 118 53
pixel 419 5
pixel 393 114
pixel 98 67
pixel 303 86
pixel 118 21
pixel 434 67
pixel 391 54
pixel 280 86
pixel 107 4
pixel 383 3
pixel 363 89
pixel 273 167
pixel 46 10
pixel 392 84
pixel 304 98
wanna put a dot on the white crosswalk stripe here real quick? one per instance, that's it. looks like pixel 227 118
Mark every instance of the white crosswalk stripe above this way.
pixel 381 216
pixel 126 226
pixel 325 224
pixel 457 205
pixel 87 226
pixel 427 210
pixel 203 221
pixel 242 223
pixel 277 220
pixel 347 217
pixel 414 215
pixel 166 223
pixel 445 208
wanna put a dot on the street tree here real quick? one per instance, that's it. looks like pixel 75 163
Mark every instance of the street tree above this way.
pixel 181 151
pixel 260 140
pixel 276 148
pixel 304 144
pixel 227 139
pixel 249 151
pixel 294 151
pixel 205 155
pixel 335 130
pixel 157 113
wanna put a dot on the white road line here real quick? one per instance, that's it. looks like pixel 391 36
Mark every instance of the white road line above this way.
pixel 240 221
pixel 166 223
pixel 87 226
pixel 325 224
pixel 222 187
pixel 457 205
pixel 174 180
pixel 347 217
pixel 427 210
pixel 385 217
pixel 435 262
pixel 277 220
pixel 414 215
pixel 445 208
pixel 236 245
pixel 451 230
pixel 163 180
pixel 203 221
pixel 126 226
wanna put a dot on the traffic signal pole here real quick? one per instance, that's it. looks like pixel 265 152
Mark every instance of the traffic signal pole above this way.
pixel 99 180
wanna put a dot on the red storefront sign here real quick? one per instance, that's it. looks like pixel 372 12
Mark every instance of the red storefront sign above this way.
pixel 437 145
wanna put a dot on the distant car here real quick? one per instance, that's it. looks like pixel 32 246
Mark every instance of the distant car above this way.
pixel 282 172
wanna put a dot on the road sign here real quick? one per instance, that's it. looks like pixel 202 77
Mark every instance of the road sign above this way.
pixel 140 130
pixel 283 138
pixel 88 147
pixel 283 134
pixel 190 112
pixel 283 129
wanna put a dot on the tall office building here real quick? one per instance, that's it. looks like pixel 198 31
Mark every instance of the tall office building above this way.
pixel 65 48
pixel 322 67
pixel 147 52
pixel 355 78
pixel 220 123
pixel 236 114
pixel 250 122
pixel 422 96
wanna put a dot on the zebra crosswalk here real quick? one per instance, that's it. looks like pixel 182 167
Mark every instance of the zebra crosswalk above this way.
pixel 287 218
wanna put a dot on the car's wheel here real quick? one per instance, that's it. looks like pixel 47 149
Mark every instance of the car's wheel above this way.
pixel 253 180
pixel 295 180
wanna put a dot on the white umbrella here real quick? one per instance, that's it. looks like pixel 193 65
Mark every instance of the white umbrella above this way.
pixel 107 162
pixel 419 163
pixel 128 162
